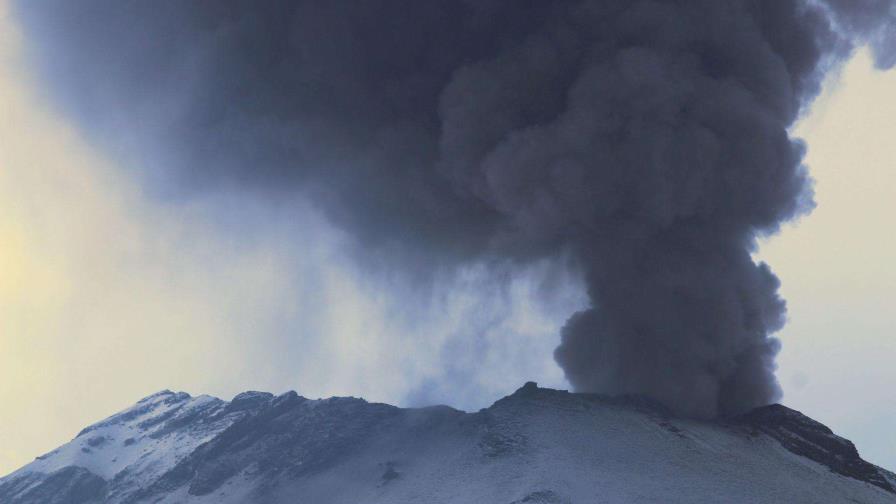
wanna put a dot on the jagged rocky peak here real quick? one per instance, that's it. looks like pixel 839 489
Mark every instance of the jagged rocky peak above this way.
pixel 164 399
pixel 815 441
pixel 164 394
pixel 536 445
pixel 249 400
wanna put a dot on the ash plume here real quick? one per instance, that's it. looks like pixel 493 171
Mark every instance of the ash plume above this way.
pixel 647 139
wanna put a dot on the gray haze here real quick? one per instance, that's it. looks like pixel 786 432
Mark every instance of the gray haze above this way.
pixel 645 140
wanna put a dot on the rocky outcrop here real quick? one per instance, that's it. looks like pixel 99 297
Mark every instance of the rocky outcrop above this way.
pixel 810 439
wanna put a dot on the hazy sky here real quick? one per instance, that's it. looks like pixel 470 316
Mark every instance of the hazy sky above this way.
pixel 836 265
pixel 107 295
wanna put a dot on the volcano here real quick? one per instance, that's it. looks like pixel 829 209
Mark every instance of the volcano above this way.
pixel 534 446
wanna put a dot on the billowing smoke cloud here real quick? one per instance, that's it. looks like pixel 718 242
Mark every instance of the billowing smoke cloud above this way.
pixel 871 22
pixel 647 139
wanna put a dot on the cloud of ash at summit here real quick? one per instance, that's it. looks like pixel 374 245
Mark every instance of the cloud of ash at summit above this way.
pixel 647 140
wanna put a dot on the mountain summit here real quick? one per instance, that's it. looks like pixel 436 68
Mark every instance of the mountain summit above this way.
pixel 535 446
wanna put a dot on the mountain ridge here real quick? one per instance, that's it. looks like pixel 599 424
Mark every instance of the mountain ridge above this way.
pixel 535 445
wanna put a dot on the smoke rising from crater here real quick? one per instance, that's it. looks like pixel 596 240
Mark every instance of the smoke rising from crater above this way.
pixel 647 139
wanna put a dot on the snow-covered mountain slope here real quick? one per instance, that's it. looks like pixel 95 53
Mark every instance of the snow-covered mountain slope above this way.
pixel 534 446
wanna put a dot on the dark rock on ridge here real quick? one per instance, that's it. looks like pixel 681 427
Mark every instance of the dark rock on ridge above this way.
pixel 815 441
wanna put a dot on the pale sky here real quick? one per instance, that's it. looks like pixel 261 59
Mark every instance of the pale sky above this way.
pixel 107 296
pixel 836 265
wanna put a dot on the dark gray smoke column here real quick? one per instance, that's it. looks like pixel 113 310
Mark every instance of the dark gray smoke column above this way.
pixel 647 138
